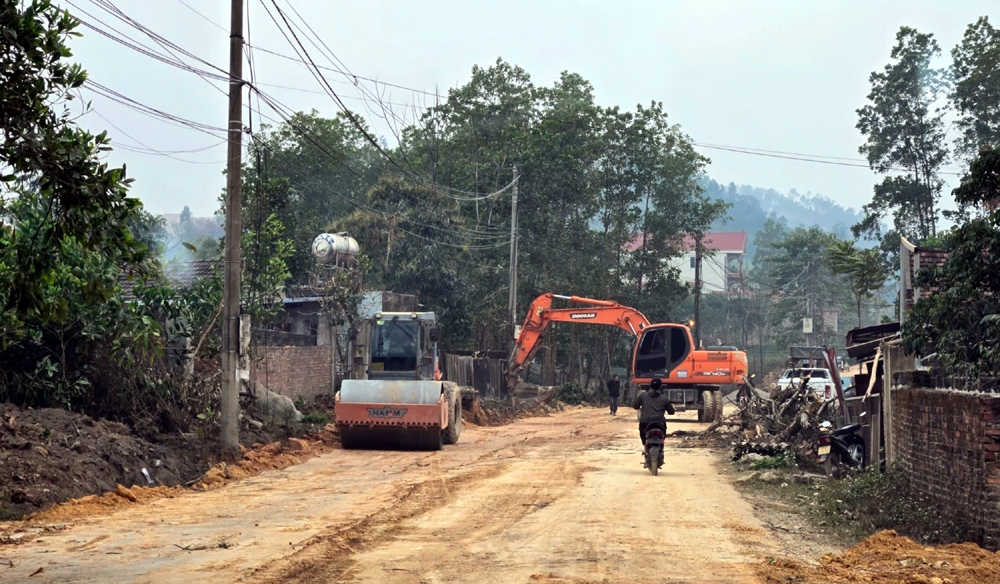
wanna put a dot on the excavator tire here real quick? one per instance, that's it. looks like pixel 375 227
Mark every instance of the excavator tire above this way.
pixel 707 411
pixel 720 402
pixel 454 396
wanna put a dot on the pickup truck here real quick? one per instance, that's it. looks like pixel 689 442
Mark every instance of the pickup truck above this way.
pixel 819 380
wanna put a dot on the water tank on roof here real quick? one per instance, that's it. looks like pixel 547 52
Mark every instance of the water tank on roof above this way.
pixel 334 248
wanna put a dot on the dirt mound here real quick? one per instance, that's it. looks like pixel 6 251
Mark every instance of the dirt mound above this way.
pixel 274 456
pixel 100 504
pixel 261 457
pixel 888 558
pixel 496 412
pixel 52 455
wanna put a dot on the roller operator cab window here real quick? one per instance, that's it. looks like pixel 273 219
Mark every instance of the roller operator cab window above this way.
pixel 660 351
pixel 395 345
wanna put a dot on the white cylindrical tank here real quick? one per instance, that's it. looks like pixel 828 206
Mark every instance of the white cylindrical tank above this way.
pixel 334 248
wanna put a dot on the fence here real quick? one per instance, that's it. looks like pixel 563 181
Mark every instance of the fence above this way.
pixel 485 374
pixel 871 423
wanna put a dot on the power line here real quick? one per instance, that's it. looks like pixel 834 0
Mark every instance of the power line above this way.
pixel 303 53
pixel 797 157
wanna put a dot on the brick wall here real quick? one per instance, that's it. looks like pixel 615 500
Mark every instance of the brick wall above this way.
pixel 293 371
pixel 948 444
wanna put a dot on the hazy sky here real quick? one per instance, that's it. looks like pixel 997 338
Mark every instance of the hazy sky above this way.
pixel 772 75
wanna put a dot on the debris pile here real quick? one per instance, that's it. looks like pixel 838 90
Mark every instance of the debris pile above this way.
pixel 888 558
pixel 785 418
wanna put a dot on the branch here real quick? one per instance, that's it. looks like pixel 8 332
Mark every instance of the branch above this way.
pixel 208 329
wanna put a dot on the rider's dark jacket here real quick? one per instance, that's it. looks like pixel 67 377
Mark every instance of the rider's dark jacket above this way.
pixel 654 406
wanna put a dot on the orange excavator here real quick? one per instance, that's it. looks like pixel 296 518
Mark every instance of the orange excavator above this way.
pixel 692 378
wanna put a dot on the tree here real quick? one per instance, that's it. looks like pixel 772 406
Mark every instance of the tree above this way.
pixel 802 282
pixel 976 91
pixel 864 269
pixel 307 172
pixel 961 320
pixel 45 157
pixel 904 131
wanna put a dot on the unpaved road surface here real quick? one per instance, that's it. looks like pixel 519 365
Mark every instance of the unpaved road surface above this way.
pixel 556 499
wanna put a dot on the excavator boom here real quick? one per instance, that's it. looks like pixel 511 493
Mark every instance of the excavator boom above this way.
pixel 541 314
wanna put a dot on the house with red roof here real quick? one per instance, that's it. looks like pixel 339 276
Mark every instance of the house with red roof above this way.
pixel 721 261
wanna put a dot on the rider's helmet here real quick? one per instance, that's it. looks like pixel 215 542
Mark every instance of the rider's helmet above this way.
pixel 655 384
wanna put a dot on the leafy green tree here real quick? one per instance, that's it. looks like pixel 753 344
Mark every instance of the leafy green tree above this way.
pixel 47 158
pixel 864 269
pixel 976 92
pixel 961 320
pixel 904 131
pixel 802 281
pixel 307 172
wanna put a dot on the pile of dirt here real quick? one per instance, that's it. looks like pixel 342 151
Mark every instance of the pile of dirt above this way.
pixel 109 502
pixel 888 558
pixel 53 455
pixel 262 457
pixel 274 456
pixel 495 412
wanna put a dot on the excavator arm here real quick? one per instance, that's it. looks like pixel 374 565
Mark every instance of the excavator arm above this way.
pixel 541 314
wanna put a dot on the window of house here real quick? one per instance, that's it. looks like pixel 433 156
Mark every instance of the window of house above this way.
pixel 692 262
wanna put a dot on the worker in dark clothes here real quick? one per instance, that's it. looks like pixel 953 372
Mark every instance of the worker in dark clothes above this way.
pixel 614 391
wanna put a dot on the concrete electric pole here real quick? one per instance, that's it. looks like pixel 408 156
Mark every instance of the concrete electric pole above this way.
pixel 230 409
pixel 512 289
pixel 697 292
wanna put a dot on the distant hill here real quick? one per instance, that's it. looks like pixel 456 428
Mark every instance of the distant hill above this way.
pixel 751 206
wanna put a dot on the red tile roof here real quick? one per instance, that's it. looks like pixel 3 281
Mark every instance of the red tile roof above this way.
pixel 714 241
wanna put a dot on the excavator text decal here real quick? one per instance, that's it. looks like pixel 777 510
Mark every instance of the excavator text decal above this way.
pixel 386 412
pixel 578 315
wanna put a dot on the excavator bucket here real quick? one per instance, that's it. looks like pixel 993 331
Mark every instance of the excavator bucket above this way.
pixel 392 413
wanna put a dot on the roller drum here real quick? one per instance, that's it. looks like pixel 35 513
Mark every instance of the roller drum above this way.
pixel 374 391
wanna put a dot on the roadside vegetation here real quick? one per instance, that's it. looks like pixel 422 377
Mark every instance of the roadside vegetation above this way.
pixel 852 508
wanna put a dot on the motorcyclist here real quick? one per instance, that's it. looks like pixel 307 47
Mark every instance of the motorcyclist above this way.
pixel 652 404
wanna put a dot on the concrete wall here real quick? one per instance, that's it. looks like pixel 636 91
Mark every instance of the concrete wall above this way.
pixel 293 371
pixel 948 444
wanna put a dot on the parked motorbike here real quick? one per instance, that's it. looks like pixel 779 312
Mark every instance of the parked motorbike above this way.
pixel 843 446
pixel 654 447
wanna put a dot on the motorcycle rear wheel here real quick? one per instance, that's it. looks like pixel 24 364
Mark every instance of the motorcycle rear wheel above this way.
pixel 653 459
pixel 856 450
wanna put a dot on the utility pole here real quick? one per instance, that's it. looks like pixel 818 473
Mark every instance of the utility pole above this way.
pixel 697 292
pixel 512 288
pixel 230 410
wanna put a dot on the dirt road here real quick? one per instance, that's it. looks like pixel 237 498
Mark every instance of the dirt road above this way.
pixel 551 499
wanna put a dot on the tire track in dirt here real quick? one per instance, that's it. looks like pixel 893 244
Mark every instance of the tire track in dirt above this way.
pixel 330 554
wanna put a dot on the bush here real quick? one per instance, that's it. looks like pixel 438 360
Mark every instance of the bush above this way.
pixel 784 460
pixel 571 393
pixel 319 419
pixel 874 501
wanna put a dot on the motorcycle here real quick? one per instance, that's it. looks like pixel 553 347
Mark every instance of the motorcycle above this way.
pixel 841 446
pixel 654 447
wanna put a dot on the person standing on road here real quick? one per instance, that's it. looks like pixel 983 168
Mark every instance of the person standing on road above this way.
pixel 614 391
pixel 653 405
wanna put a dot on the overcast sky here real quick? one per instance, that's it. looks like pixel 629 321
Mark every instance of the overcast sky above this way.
pixel 772 75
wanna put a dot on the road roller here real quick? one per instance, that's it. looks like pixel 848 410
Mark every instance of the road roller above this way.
pixel 398 400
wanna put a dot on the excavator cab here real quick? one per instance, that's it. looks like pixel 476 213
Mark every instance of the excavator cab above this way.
pixel 661 348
